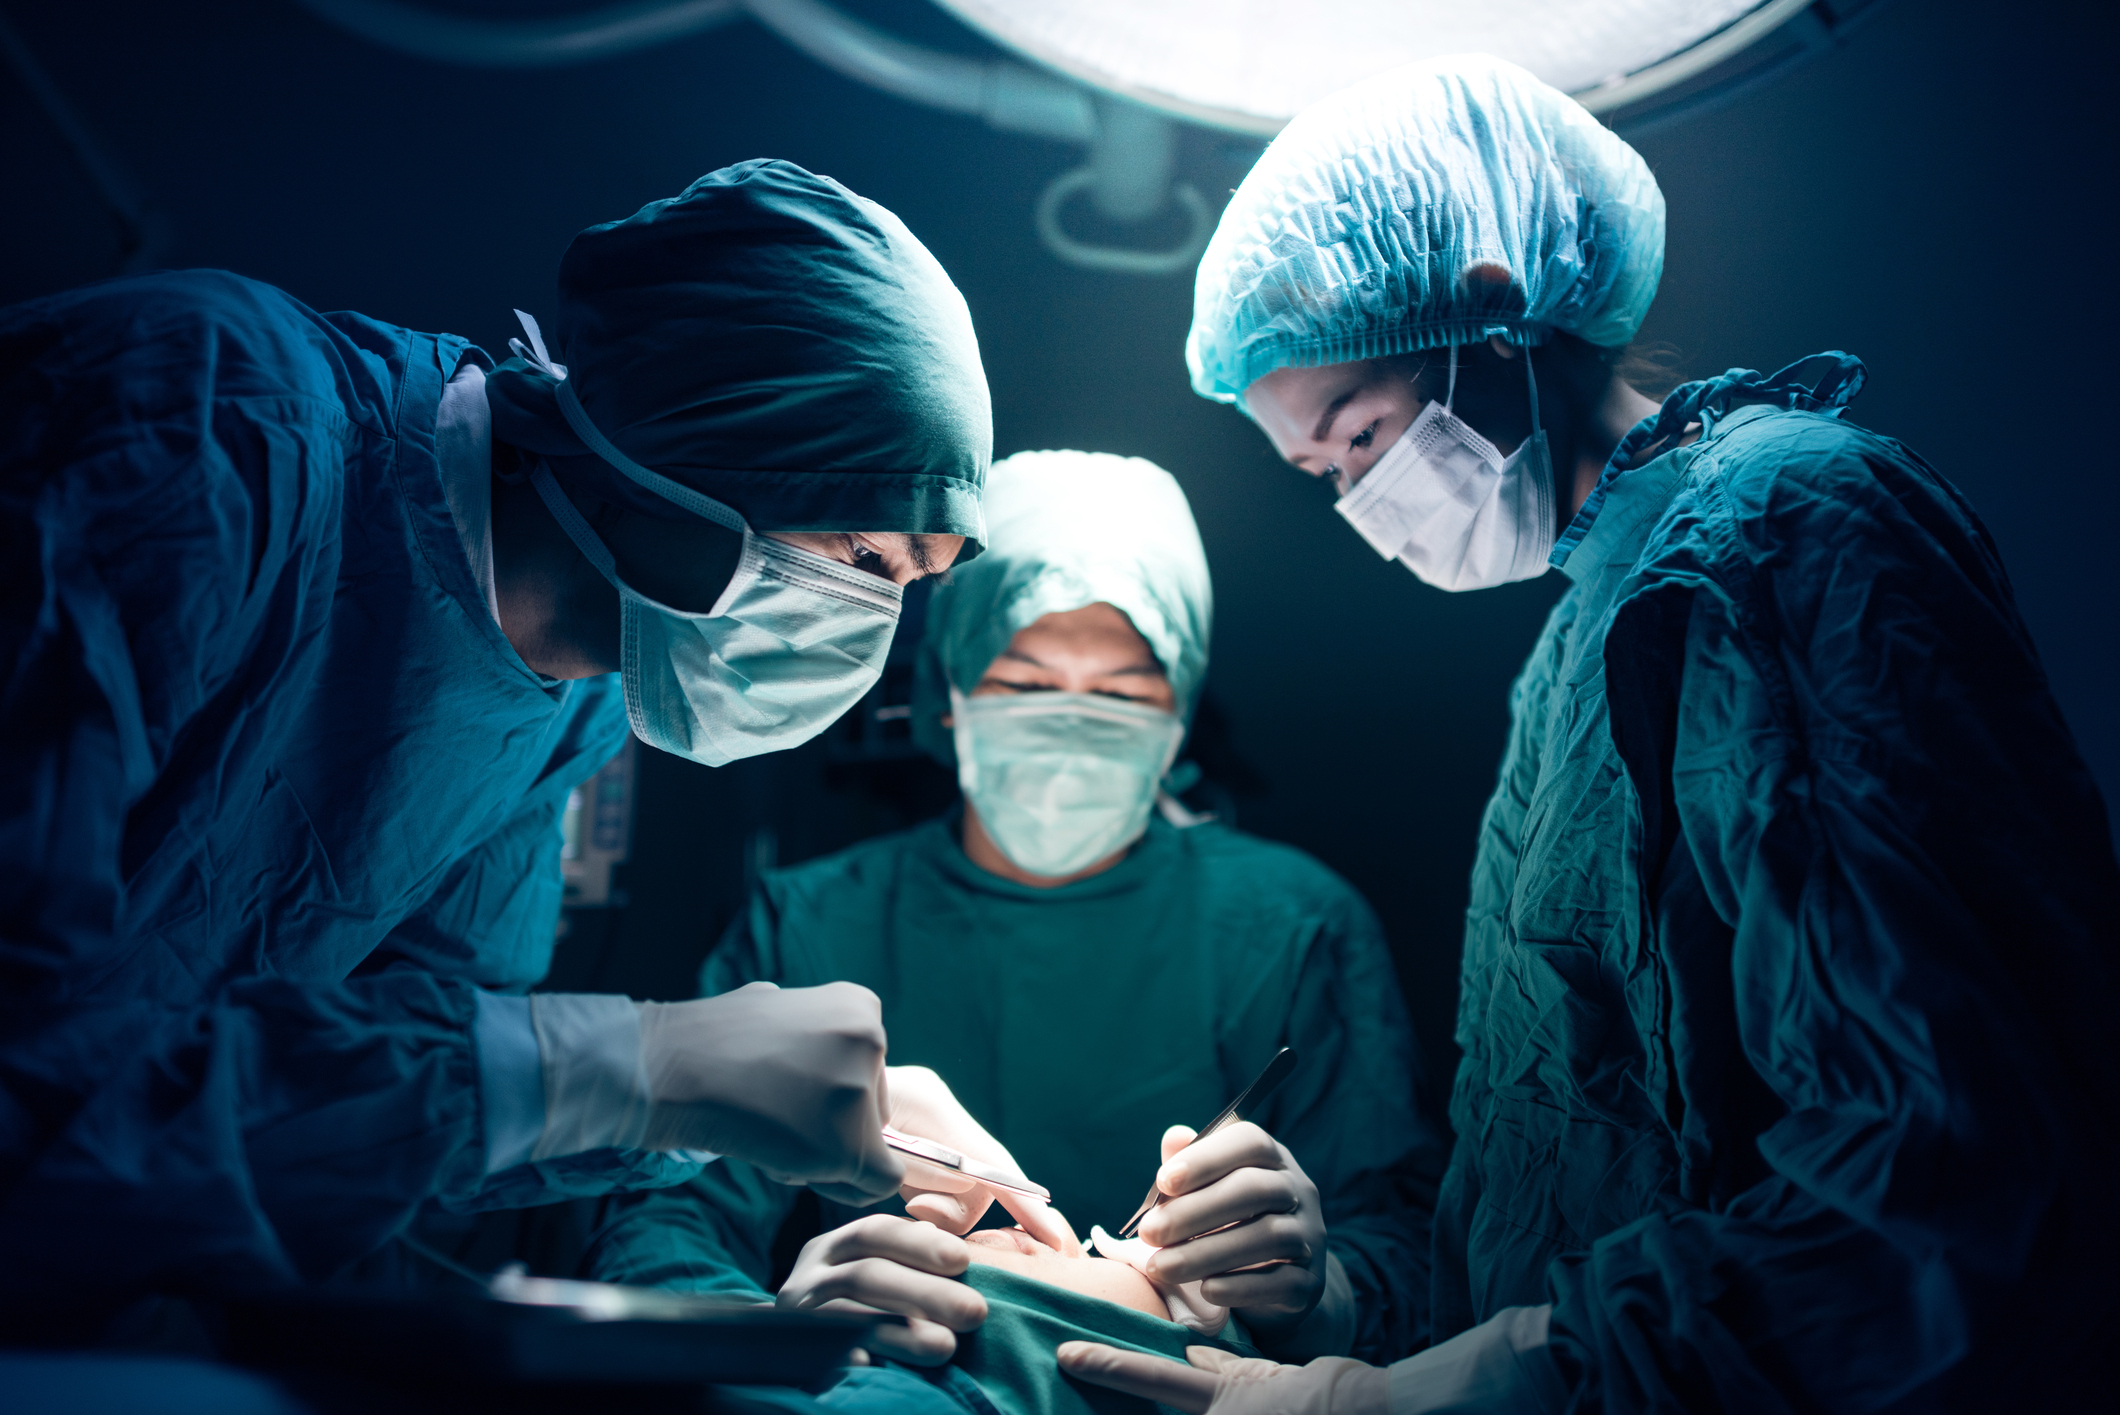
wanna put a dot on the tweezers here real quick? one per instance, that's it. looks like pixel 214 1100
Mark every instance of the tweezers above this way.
pixel 1247 1101
pixel 965 1165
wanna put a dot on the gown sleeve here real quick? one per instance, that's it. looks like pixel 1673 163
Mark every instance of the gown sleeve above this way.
pixel 1451 1305
pixel 163 1128
pixel 1350 1115
pixel 715 1231
pixel 1844 746
pixel 493 921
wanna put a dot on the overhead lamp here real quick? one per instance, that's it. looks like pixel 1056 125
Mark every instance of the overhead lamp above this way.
pixel 1113 75
pixel 1248 66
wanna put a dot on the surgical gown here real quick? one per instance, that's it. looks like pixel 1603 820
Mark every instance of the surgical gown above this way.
pixel 1788 984
pixel 1076 1023
pixel 276 798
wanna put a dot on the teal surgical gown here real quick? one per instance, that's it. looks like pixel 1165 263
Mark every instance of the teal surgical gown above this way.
pixel 1788 985
pixel 276 798
pixel 1078 1023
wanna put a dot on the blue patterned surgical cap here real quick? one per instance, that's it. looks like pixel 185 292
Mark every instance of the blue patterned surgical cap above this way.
pixel 1438 203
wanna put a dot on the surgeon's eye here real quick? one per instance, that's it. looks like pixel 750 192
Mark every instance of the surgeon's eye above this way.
pixel 868 559
pixel 1363 438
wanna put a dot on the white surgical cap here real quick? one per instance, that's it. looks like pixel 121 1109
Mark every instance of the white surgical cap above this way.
pixel 1353 236
pixel 1064 530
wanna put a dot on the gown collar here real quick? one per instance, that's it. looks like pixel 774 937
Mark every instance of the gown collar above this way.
pixel 1837 378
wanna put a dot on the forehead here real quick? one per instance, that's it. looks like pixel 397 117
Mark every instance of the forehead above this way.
pixel 1096 636
pixel 1287 403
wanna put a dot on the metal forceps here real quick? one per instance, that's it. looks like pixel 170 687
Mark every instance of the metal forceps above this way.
pixel 1247 1101
pixel 947 1158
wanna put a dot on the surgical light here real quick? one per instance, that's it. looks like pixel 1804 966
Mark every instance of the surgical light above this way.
pixel 1115 77
pixel 1250 65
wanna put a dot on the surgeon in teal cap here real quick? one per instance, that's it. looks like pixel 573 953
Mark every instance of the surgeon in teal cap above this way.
pixel 1789 971
pixel 1088 963
pixel 309 624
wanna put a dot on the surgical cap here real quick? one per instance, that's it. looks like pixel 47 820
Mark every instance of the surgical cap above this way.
pixel 1068 529
pixel 1354 235
pixel 773 340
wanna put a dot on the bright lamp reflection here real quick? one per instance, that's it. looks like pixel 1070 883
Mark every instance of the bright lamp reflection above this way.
pixel 1253 64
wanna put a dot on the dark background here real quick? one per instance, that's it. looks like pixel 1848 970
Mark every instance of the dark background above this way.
pixel 1932 195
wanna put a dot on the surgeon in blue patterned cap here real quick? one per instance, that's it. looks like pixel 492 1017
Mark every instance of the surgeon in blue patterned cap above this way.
pixel 1790 963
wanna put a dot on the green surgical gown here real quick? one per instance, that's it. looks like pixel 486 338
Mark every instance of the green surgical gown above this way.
pixel 1009 1365
pixel 1788 978
pixel 1077 1023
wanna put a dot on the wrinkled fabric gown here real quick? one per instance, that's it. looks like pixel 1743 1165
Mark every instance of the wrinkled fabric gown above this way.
pixel 1788 984
pixel 276 795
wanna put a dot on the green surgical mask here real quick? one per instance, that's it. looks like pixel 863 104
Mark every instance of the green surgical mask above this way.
pixel 1061 780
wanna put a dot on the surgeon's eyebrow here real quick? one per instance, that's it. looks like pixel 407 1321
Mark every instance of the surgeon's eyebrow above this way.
pixel 920 550
pixel 1149 669
pixel 1332 410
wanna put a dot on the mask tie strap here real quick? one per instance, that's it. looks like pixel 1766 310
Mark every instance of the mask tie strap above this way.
pixel 577 527
pixel 592 436
pixel 1450 393
pixel 676 493
pixel 535 354
pixel 1532 379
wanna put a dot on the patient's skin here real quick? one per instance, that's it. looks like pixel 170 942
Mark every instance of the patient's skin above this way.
pixel 1078 1272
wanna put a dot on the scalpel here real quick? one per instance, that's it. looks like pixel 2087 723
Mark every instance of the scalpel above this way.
pixel 965 1165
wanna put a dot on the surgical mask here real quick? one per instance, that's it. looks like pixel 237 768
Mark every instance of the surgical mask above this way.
pixel 793 641
pixel 1061 780
pixel 1446 503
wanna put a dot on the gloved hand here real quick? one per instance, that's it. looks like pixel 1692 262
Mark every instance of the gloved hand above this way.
pixel 1233 1385
pixel 1242 1176
pixel 921 1104
pixel 791 1079
pixel 1503 1366
pixel 890 1264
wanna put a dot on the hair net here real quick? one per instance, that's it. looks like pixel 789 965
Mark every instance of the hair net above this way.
pixel 1353 236
pixel 1068 529
pixel 776 342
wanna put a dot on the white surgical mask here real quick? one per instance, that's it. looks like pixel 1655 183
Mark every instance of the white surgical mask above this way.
pixel 1061 780
pixel 1446 503
pixel 793 641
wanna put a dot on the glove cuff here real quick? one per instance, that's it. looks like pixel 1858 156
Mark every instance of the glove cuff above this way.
pixel 1501 1364
pixel 596 1088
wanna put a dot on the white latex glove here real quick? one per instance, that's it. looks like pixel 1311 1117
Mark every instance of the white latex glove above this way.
pixel 922 1104
pixel 1233 1385
pixel 883 1263
pixel 1188 1307
pixel 1500 1367
pixel 791 1079
pixel 1245 1222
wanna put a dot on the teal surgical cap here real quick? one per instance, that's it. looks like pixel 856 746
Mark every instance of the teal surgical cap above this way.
pixel 1068 529
pixel 772 340
pixel 1438 203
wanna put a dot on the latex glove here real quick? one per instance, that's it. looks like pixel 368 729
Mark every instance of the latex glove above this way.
pixel 1240 1200
pixel 1503 1366
pixel 883 1263
pixel 1188 1308
pixel 791 1079
pixel 1233 1385
pixel 922 1104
